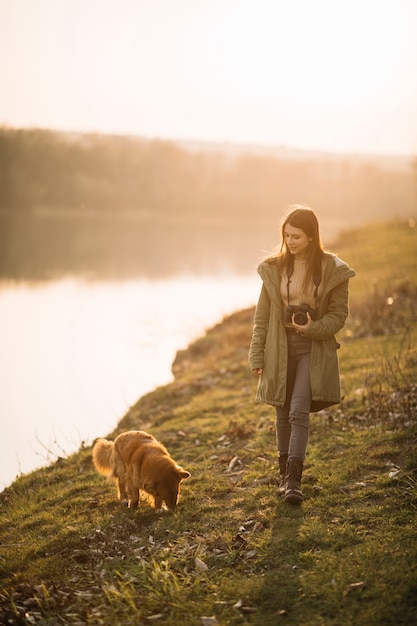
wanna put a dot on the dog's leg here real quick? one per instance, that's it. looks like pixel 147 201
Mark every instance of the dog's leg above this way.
pixel 119 474
pixel 134 500
pixel 121 490
pixel 158 503
pixel 133 493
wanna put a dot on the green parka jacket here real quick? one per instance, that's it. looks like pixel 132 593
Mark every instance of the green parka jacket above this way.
pixel 268 348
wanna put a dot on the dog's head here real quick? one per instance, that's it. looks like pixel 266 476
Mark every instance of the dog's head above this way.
pixel 166 487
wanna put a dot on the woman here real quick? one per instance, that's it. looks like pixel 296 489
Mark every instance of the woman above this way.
pixel 302 305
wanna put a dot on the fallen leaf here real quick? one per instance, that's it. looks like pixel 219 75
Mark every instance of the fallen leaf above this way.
pixel 208 621
pixel 200 565
pixel 394 473
pixel 354 586
pixel 239 540
pixel 249 523
pixel 232 463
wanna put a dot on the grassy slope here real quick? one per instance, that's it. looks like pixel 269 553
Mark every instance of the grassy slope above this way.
pixel 234 552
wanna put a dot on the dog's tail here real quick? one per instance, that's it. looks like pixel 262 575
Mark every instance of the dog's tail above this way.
pixel 102 451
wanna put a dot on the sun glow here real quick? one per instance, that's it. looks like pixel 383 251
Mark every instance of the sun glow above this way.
pixel 324 74
pixel 282 55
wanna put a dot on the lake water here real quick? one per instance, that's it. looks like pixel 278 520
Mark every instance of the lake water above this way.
pixel 76 355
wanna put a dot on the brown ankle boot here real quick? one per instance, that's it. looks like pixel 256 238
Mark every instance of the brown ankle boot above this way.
pixel 293 493
pixel 282 460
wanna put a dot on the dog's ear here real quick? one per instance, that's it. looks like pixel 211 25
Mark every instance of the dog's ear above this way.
pixel 182 473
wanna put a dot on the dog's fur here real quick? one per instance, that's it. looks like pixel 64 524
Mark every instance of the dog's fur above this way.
pixel 137 461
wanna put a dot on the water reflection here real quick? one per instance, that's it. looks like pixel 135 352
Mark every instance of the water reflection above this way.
pixel 76 355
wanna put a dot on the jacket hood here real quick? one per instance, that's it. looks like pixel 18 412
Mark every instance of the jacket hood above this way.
pixel 342 270
pixel 336 272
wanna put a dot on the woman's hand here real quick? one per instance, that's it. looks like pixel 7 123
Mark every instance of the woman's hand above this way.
pixel 257 371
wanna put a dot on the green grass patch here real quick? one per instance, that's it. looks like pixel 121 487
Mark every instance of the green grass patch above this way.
pixel 234 552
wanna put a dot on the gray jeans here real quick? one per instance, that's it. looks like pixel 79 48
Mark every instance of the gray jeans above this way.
pixel 293 419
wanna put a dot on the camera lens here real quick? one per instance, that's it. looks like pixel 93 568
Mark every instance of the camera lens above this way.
pixel 300 318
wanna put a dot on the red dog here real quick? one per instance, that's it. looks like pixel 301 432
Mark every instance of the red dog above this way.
pixel 137 461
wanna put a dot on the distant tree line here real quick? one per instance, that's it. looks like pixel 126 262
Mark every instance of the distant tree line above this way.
pixel 108 205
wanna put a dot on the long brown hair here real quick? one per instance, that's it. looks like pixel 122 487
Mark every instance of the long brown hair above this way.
pixel 302 217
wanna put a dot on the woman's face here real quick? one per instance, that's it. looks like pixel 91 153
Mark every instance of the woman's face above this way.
pixel 296 240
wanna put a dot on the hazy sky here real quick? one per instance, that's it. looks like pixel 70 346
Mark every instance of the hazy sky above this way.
pixel 337 75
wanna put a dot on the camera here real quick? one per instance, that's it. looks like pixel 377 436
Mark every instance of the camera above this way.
pixel 300 314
